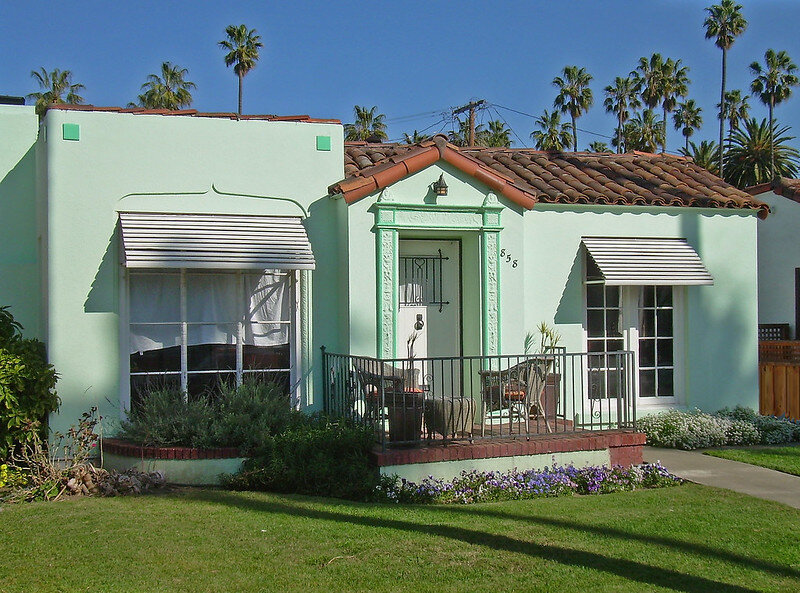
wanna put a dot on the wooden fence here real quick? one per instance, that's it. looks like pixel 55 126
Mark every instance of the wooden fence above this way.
pixel 779 378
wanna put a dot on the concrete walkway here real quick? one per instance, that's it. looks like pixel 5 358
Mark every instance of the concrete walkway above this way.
pixel 731 475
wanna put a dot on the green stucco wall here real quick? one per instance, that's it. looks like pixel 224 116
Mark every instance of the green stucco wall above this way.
pixel 447 470
pixel 66 195
pixel 19 267
pixel 778 256
pixel 719 324
pixel 255 167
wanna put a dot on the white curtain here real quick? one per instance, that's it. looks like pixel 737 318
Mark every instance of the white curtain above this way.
pixel 154 298
pixel 267 300
pixel 214 309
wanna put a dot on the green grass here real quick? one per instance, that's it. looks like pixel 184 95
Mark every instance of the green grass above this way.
pixel 689 538
pixel 783 459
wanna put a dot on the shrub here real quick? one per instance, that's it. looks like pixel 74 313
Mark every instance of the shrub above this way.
pixel 474 486
pixel 315 456
pixel 742 432
pixel 243 417
pixel 775 431
pixel 695 429
pixel 251 413
pixel 684 430
pixel 27 385
pixel 166 418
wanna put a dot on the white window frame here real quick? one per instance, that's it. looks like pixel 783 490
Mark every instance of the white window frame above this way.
pixel 124 333
pixel 629 325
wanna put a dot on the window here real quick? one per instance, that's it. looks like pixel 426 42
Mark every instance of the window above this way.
pixel 638 318
pixel 656 342
pixel 194 330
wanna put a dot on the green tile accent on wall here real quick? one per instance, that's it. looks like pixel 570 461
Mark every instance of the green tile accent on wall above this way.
pixel 323 142
pixel 71 131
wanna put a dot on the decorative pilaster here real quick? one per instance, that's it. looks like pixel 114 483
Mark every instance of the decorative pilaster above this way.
pixel 490 268
pixel 386 274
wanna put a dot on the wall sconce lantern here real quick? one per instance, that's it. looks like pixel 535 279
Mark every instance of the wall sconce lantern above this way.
pixel 440 187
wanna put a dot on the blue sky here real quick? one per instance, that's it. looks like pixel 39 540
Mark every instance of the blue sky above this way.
pixel 408 58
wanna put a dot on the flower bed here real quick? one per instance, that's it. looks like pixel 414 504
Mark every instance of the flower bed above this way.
pixel 559 480
pixel 696 430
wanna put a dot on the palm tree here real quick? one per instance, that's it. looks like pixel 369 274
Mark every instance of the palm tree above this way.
pixel 621 97
pixel 724 24
pixel 552 133
pixel 737 108
pixel 773 83
pixel 758 154
pixel 54 86
pixel 414 138
pixel 171 90
pixel 598 146
pixel 460 137
pixel 368 125
pixel 574 95
pixel 662 82
pixel 498 134
pixel 687 119
pixel 643 132
pixel 242 45
pixel 704 154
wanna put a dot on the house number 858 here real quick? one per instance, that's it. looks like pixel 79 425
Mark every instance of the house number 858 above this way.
pixel 508 258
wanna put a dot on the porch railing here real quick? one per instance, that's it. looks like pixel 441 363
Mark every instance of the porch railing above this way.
pixel 428 400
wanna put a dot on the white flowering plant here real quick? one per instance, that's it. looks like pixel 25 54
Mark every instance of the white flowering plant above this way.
pixel 695 429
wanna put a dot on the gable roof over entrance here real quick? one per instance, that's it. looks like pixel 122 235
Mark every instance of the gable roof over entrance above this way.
pixel 526 176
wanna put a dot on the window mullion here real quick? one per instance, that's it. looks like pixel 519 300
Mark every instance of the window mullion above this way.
pixel 240 333
pixel 184 338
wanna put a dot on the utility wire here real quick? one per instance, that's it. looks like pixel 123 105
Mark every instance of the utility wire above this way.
pixel 422 131
pixel 536 116
pixel 521 141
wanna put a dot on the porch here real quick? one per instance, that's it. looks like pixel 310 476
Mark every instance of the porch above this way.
pixel 463 403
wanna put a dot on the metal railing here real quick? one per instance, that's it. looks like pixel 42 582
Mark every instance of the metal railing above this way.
pixel 427 400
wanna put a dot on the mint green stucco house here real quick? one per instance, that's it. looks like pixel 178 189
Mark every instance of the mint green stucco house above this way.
pixel 187 248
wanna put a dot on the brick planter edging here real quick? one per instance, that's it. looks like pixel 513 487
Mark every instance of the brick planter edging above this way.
pixel 625 448
pixel 120 447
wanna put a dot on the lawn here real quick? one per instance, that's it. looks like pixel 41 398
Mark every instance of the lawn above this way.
pixel 783 459
pixel 688 538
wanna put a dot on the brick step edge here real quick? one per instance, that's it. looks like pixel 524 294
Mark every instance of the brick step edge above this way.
pixel 461 450
pixel 126 449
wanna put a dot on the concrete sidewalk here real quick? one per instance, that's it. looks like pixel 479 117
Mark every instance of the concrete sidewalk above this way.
pixel 731 475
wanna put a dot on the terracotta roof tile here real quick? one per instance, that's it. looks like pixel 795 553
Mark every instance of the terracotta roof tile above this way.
pixel 783 186
pixel 568 178
pixel 192 113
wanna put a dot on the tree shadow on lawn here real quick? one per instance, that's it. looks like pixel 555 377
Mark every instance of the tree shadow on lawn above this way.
pixel 627 569
pixel 688 547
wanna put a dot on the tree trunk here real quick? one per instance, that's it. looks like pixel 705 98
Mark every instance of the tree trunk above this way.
pixel 574 136
pixel 664 140
pixel 687 143
pixel 771 140
pixel 619 135
pixel 240 93
pixel 722 110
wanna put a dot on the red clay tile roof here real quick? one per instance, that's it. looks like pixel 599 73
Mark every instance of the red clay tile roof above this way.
pixel 788 188
pixel 192 112
pixel 527 176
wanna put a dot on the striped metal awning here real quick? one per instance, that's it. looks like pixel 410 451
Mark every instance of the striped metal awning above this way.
pixel 232 241
pixel 644 261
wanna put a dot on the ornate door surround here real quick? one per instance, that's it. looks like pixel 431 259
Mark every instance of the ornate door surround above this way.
pixel 392 218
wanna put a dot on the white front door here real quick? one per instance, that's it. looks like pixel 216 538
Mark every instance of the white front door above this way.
pixel 429 295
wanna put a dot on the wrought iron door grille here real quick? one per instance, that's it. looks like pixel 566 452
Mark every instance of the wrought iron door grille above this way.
pixel 421 280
